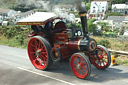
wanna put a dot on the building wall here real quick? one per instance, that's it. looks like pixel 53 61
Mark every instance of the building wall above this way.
pixel 120 8
pixel 122 11
pixel 98 9
pixel 125 25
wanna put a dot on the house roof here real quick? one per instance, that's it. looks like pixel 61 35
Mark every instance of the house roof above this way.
pixel 117 18
pixel 119 6
pixel 99 3
pixel 4 10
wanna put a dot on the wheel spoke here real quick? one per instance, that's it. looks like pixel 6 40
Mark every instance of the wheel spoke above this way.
pixel 76 59
pixel 40 63
pixel 74 64
pixel 32 52
pixel 99 62
pixel 105 62
pixel 40 45
pixel 81 60
pixel 85 69
pixel 105 57
pixel 36 43
pixel 78 70
pixel 33 45
pixel 43 49
pixel 82 71
pixel 44 58
pixel 44 53
pixel 35 60
pixel 104 54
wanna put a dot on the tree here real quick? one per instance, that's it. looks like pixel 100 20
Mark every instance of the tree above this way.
pixel 88 6
pixel 118 1
pixel 109 7
pixel 92 27
pixel 104 26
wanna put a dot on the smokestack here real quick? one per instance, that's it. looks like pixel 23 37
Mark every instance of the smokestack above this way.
pixel 82 13
pixel 84 22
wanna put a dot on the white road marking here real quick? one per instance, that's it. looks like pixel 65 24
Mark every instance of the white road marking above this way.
pixel 46 76
pixel 13 54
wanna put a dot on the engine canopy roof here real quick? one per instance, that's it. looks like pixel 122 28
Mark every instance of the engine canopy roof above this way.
pixel 39 18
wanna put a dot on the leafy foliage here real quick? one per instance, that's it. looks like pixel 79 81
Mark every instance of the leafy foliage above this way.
pixel 104 26
pixel 20 39
pixel 14 34
pixel 22 7
pixel 104 42
pixel 117 1
pixel 92 27
pixel 88 6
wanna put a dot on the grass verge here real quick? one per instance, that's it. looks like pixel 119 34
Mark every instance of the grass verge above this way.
pixel 122 60
pixel 13 42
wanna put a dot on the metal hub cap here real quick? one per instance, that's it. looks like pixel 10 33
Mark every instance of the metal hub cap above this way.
pixel 78 66
pixel 38 52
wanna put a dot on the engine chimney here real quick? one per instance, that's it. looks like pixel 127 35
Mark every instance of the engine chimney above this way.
pixel 86 43
pixel 84 23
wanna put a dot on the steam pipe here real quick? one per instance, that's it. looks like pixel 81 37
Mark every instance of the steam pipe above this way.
pixel 84 23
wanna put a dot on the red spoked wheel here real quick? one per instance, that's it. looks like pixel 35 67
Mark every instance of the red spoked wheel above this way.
pixel 80 65
pixel 103 58
pixel 39 52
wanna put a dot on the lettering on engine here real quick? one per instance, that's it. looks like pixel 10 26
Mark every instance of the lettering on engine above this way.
pixel 61 38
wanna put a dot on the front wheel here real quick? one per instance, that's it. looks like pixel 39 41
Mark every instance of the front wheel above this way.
pixel 102 59
pixel 80 65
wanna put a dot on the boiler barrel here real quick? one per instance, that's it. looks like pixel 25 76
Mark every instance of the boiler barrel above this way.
pixel 82 44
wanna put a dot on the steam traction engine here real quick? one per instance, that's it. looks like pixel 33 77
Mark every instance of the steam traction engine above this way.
pixel 49 44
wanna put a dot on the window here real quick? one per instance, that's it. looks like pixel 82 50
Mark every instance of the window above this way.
pixel 93 7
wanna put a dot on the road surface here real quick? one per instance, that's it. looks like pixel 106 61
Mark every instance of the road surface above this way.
pixel 16 69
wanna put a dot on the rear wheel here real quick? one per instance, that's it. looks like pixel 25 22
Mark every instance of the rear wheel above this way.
pixel 102 59
pixel 80 65
pixel 39 52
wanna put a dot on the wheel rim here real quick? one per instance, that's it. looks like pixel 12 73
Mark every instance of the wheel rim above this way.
pixel 37 53
pixel 101 59
pixel 79 66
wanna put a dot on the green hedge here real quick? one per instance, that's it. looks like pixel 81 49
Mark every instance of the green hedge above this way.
pixel 14 35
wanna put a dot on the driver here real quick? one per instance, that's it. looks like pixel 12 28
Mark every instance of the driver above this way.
pixel 48 28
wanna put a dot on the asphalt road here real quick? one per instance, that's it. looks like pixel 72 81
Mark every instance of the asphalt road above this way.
pixel 16 69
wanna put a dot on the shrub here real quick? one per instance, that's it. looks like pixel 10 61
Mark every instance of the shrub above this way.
pixel 20 39
pixel 110 34
pixel 126 46
pixel 104 42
